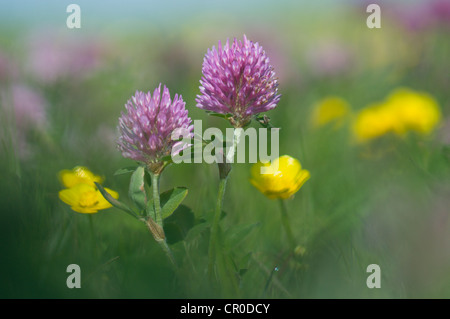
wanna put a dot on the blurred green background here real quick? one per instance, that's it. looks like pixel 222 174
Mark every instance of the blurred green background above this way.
pixel 385 202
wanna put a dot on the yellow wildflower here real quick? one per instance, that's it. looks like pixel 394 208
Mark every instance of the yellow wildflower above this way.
pixel 85 198
pixel 415 111
pixel 374 121
pixel 330 109
pixel 78 175
pixel 404 110
pixel 285 177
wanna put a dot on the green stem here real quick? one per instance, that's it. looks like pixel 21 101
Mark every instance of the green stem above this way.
pixel 286 223
pixel 237 132
pixel 168 252
pixel 159 221
pixel 216 253
pixel 215 226
pixel 156 201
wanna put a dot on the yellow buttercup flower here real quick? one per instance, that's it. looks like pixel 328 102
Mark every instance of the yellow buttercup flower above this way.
pixel 330 109
pixel 285 177
pixel 374 121
pixel 78 175
pixel 85 198
pixel 81 193
pixel 415 111
pixel 403 111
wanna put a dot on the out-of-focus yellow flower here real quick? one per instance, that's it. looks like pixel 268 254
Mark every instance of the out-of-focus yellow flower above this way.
pixel 374 121
pixel 285 177
pixel 85 198
pixel 78 175
pixel 415 111
pixel 404 110
pixel 330 109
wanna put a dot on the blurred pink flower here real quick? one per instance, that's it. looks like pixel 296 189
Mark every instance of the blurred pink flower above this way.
pixel 29 108
pixel 413 18
pixel 8 69
pixel 422 16
pixel 52 58
pixel 24 111
pixel 440 11
pixel 329 58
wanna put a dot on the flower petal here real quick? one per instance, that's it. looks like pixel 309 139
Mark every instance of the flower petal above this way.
pixel 286 177
pixel 77 175
pixel 69 196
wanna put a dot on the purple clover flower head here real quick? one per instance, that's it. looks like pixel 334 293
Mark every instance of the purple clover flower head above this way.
pixel 146 128
pixel 238 79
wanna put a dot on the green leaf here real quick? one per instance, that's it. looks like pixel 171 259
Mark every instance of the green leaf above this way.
pixel 125 170
pixel 244 263
pixel 171 199
pixel 236 234
pixel 225 116
pixel 177 226
pixel 115 202
pixel 197 230
pixel 137 189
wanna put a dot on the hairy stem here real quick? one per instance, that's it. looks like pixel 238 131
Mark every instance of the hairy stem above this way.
pixel 217 259
pixel 158 230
